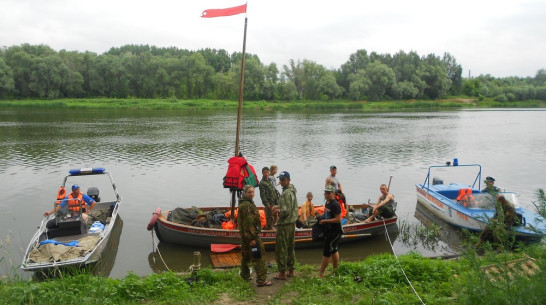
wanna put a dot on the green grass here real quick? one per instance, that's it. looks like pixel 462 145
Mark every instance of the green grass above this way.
pixel 174 104
pixel 375 280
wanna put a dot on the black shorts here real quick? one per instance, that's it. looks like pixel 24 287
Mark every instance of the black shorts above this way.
pixel 331 242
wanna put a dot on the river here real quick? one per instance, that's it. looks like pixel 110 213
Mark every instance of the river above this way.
pixel 178 159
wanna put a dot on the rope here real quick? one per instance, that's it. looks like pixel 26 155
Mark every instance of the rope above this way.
pixel 156 248
pixel 400 265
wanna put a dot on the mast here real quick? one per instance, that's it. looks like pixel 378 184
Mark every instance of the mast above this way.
pixel 239 115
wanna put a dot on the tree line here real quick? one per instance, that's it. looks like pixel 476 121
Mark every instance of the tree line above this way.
pixel 142 71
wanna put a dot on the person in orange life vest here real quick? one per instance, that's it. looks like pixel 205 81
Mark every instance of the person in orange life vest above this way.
pixel 73 201
pixel 383 206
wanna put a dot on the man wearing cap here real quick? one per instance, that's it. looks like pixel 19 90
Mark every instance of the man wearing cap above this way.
pixel 490 187
pixel 287 211
pixel 332 221
pixel 76 203
pixel 332 180
pixel 269 196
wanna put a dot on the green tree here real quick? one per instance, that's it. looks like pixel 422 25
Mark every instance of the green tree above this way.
pixel 434 73
pixel 454 73
pixel 6 79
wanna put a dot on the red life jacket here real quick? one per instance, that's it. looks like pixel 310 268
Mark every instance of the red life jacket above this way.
pixel 465 196
pixel 341 202
pixel 239 174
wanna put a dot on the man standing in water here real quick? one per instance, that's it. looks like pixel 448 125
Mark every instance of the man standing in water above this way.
pixel 268 194
pixel 332 221
pixel 285 253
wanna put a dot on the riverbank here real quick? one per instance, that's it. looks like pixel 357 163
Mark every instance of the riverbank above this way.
pixel 175 104
pixel 378 279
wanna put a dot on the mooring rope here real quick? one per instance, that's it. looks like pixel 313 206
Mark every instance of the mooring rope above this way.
pixel 396 256
pixel 156 248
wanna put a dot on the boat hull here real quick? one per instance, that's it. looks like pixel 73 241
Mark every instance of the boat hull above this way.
pixel 187 235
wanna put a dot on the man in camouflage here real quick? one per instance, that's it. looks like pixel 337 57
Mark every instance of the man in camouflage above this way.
pixel 269 196
pixel 249 224
pixel 287 211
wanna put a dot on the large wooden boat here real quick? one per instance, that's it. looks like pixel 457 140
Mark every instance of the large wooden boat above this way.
pixel 201 237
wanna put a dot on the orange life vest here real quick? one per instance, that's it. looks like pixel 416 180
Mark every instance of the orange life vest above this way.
pixel 61 194
pixel 342 205
pixel 465 196
pixel 74 203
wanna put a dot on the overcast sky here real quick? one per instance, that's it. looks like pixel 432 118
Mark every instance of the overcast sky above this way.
pixel 497 37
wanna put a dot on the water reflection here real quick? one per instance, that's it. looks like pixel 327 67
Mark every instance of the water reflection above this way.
pixel 448 234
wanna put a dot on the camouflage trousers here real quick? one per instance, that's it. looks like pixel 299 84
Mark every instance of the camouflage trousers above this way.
pixel 258 263
pixel 269 218
pixel 285 253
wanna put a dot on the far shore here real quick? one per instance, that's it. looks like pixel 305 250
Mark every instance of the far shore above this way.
pixel 204 104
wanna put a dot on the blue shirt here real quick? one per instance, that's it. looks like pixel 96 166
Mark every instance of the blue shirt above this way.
pixel 85 198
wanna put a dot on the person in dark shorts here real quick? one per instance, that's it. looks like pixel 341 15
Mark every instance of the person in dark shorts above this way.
pixel 332 221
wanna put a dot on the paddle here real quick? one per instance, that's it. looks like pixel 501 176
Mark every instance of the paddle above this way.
pixel 229 247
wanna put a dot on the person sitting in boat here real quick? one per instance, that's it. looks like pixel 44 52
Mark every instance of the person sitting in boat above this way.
pixel 307 214
pixel 383 207
pixel 74 202
pixel 490 187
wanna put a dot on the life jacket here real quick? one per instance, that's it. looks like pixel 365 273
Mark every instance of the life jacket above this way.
pixel 74 203
pixel 61 194
pixel 341 200
pixel 239 174
pixel 228 225
pixel 465 196
pixel 319 210
pixel 263 220
pixel 228 213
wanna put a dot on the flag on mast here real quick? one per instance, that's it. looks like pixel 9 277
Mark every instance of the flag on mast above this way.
pixel 230 11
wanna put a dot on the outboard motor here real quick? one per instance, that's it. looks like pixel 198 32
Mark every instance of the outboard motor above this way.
pixel 93 192
pixel 437 180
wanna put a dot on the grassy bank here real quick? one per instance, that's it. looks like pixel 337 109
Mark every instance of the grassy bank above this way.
pixel 174 104
pixel 376 280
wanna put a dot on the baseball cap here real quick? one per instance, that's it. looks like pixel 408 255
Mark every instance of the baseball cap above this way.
pixel 75 186
pixel 488 178
pixel 283 175
pixel 333 167
pixel 329 188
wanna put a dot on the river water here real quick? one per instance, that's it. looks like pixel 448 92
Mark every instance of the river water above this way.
pixel 178 159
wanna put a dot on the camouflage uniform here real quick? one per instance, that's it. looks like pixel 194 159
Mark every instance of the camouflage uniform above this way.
pixel 269 196
pixel 249 227
pixel 285 253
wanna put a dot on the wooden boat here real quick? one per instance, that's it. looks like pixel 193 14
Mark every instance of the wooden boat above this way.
pixel 441 200
pixel 61 229
pixel 201 237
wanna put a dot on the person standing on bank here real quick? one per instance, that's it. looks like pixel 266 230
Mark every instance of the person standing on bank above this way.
pixel 268 194
pixel 332 221
pixel 332 180
pixel 252 248
pixel 287 212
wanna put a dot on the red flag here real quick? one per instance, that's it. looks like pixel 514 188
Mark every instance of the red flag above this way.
pixel 224 11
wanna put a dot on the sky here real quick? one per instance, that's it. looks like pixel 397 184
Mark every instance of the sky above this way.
pixel 501 37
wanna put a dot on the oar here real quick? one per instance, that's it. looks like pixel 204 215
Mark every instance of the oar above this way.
pixel 229 247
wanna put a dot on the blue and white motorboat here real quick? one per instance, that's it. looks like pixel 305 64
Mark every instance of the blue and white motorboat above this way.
pixel 448 202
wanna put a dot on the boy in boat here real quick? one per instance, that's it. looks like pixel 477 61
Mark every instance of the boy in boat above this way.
pixel 308 215
pixel 383 207
pixel 75 202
